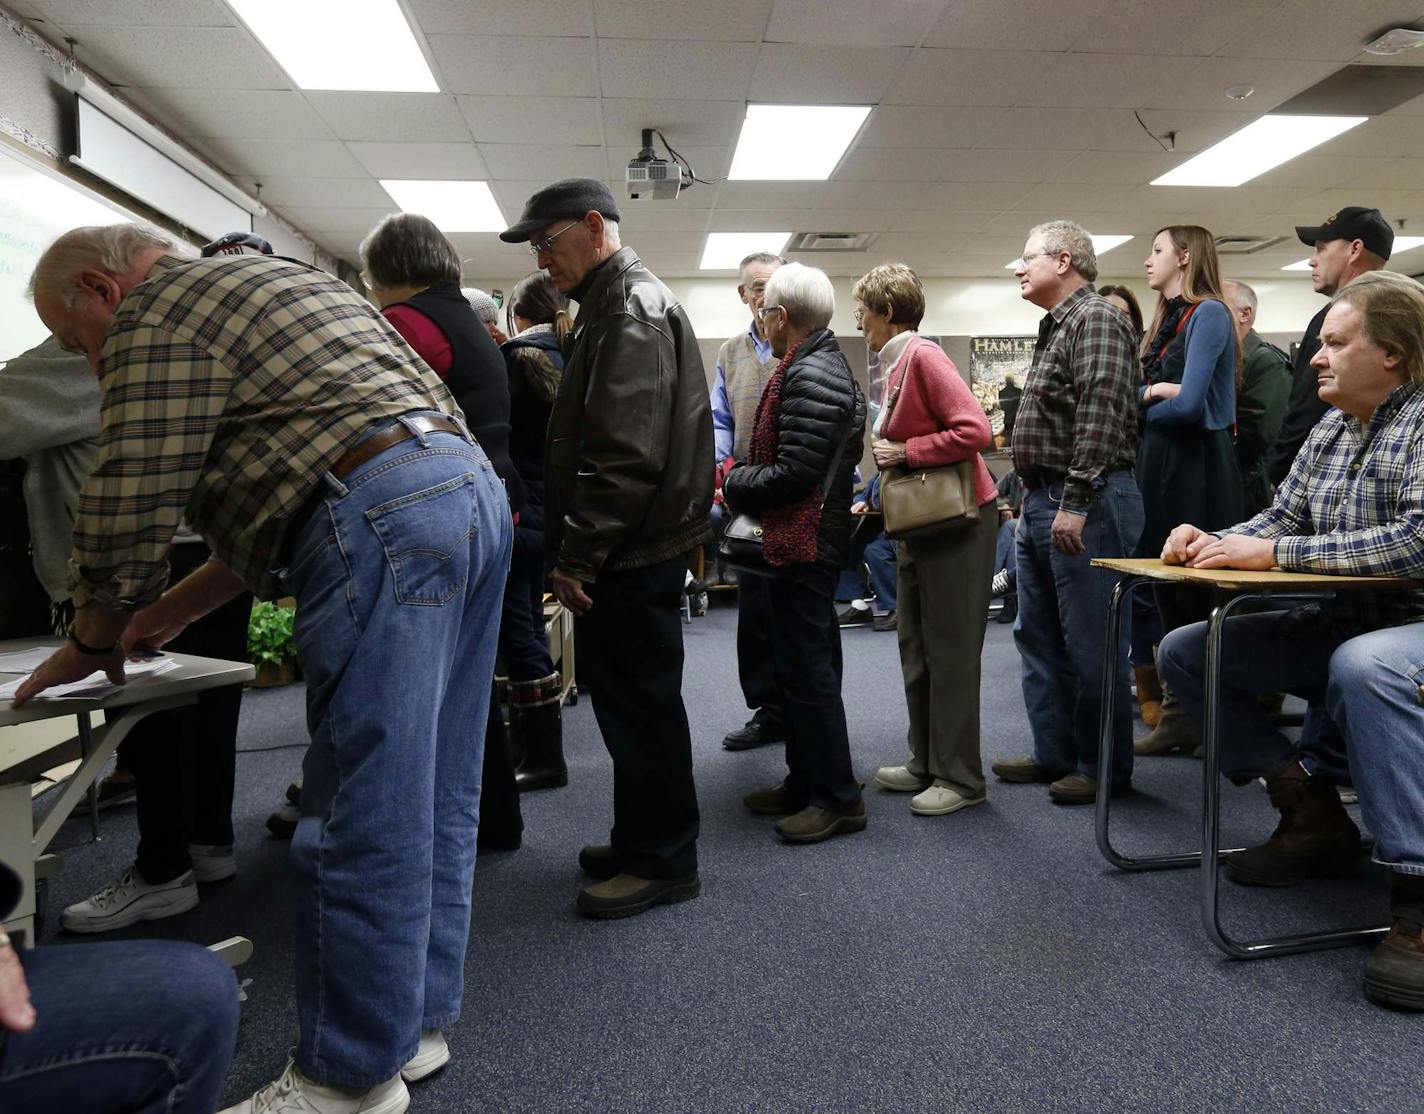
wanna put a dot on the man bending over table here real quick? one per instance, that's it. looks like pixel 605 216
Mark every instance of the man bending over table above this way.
pixel 1353 504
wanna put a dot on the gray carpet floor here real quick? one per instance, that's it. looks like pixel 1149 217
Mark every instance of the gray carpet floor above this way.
pixel 987 961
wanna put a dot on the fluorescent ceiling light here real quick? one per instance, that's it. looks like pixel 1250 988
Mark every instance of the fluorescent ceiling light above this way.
pixel 1256 148
pixel 1402 244
pixel 726 250
pixel 794 142
pixel 1101 246
pixel 341 44
pixel 453 206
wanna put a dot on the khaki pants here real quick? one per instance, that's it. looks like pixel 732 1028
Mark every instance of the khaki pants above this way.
pixel 943 601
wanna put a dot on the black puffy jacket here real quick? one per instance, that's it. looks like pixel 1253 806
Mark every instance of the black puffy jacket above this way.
pixel 821 407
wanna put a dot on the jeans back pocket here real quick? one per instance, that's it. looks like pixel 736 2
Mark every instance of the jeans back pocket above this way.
pixel 425 536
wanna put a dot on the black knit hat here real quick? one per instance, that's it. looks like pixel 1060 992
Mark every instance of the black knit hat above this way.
pixel 1355 223
pixel 569 199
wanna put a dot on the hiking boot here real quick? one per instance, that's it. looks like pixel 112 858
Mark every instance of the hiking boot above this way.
pixel 1394 973
pixel 776 801
pixel 293 1093
pixel 626 895
pixel 1315 837
pixel 1022 770
pixel 1080 789
pixel 600 861
pixel 759 731
pixel 1149 694
pixel 1175 732
pixel 814 824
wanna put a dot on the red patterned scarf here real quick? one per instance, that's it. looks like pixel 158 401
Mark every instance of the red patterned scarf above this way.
pixel 788 533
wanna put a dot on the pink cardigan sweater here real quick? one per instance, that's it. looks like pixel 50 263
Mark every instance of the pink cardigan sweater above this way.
pixel 936 414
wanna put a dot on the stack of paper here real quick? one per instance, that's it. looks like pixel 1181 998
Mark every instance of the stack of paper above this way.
pixel 97 684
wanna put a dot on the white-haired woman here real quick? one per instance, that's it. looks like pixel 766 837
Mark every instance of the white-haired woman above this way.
pixel 804 447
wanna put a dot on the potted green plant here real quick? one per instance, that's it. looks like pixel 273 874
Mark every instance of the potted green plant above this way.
pixel 270 645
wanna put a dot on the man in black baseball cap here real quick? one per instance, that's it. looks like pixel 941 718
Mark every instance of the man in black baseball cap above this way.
pixel 1347 244
pixel 627 493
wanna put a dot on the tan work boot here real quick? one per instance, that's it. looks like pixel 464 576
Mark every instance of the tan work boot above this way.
pixel 1175 732
pixel 1149 693
pixel 1315 837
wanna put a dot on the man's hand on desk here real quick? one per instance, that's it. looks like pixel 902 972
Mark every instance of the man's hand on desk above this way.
pixel 150 628
pixel 1235 551
pixel 1183 543
pixel 16 1013
pixel 67 664
pixel 569 591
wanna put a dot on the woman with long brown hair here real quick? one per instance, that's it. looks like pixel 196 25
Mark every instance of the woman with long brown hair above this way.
pixel 1186 462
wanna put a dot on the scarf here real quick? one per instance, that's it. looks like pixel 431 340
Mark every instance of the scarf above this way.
pixel 1166 357
pixel 789 533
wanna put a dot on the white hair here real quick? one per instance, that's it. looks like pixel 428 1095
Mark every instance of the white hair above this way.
pixel 485 307
pixel 113 248
pixel 805 293
pixel 611 233
pixel 1065 235
pixel 1242 295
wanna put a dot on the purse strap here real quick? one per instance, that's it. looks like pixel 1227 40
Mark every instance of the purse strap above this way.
pixel 835 461
pixel 895 394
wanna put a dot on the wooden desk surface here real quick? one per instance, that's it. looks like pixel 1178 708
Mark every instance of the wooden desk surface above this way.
pixel 1238 579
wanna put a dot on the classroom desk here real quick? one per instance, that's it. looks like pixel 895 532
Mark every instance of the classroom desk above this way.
pixel 21 842
pixel 1241 587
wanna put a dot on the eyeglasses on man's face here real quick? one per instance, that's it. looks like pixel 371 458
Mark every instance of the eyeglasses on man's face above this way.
pixel 762 311
pixel 536 246
pixel 1029 257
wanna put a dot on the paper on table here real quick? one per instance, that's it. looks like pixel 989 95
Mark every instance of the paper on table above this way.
pixel 25 661
pixel 97 683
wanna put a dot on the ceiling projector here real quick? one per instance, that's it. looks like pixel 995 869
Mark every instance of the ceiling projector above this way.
pixel 650 178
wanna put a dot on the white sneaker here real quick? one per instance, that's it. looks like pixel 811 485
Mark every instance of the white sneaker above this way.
pixel 899 779
pixel 432 1055
pixel 940 799
pixel 294 1093
pixel 130 900
pixel 212 862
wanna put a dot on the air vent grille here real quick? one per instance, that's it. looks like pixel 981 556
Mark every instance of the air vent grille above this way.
pixel 831 241
pixel 1245 245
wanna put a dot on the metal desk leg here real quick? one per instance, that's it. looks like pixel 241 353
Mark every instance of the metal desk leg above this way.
pixel 1211 822
pixel 86 748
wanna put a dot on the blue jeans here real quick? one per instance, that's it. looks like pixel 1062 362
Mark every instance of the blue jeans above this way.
pixel 880 561
pixel 1006 551
pixel 1268 651
pixel 399 579
pixel 140 1026
pixel 1376 697
pixel 1062 622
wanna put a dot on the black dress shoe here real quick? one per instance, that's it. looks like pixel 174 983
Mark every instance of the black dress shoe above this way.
pixel 625 895
pixel 600 861
pixel 756 733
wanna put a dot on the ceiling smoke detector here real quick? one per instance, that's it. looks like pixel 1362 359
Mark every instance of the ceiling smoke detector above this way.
pixel 1395 41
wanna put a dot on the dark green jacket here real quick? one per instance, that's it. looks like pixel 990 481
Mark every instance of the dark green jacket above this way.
pixel 1260 409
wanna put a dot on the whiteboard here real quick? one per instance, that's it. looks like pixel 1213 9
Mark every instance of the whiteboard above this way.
pixel 36 205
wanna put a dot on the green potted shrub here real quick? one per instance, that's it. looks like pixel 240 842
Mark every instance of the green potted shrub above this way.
pixel 270 645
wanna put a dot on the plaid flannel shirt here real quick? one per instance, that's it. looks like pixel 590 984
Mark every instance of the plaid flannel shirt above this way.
pixel 1353 504
pixel 1077 420
pixel 230 386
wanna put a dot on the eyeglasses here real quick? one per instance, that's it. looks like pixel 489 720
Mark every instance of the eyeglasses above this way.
pixel 762 311
pixel 536 246
pixel 1025 260
pixel 859 316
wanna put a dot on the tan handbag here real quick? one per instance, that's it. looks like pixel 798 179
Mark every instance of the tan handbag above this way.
pixel 928 502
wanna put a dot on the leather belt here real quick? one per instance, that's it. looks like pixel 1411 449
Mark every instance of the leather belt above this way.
pixel 366 449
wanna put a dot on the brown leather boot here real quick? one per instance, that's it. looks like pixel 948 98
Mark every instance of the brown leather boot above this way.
pixel 1394 973
pixel 1315 838
pixel 1149 694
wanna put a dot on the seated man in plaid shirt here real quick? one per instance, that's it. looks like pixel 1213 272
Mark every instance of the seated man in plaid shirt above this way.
pixel 1353 504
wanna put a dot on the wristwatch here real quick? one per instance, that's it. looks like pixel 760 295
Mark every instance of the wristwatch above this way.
pixel 92 651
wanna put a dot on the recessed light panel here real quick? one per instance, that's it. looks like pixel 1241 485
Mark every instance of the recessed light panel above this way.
pixel 794 142
pixel 1257 148
pixel 453 206
pixel 365 45
pixel 1303 265
pixel 725 251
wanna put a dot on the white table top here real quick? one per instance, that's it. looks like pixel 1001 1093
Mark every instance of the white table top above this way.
pixel 194 674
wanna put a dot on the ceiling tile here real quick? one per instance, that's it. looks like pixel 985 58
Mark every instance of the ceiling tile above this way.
pixel 794 72
pixel 1372 174
pixel 290 158
pixel 968 77
pixel 1016 24
pixel 527 119
pixel 826 218
pixel 769 195
pixel 1276 81
pixel 1389 135
pixel 135 13
pixel 661 216
pixel 420 160
pixel 1164 27
pixel 1322 29
pixel 509 66
pixel 399 117
pixel 1118 81
pixel 850 22
pixel 1110 167
pixel 514 162
pixel 931 164
pixel 354 221
pixel 690 123
pixel 312 192
pixel 726 20
pixel 179 57
pixel 279 113
pixel 503 17
pixel 676 71
pixel 762 220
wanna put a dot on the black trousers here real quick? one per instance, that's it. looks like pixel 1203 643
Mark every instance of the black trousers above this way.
pixel 184 760
pixel 630 649
pixel 754 664
pixel 806 651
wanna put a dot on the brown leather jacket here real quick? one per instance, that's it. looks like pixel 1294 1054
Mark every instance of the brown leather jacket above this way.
pixel 628 481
